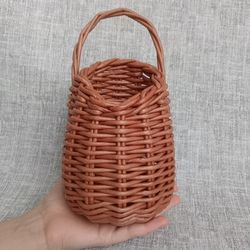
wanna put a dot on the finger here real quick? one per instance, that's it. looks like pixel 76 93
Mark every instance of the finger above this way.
pixel 174 202
pixel 136 230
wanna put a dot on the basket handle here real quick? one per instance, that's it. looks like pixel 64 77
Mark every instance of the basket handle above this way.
pixel 113 13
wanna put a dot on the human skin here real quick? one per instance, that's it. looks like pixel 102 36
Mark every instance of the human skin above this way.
pixel 51 225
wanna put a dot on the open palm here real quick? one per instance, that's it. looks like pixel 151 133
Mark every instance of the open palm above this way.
pixel 65 230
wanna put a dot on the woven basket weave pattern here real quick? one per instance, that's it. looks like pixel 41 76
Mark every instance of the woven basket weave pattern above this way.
pixel 118 162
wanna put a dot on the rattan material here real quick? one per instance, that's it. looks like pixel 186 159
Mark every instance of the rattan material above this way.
pixel 118 161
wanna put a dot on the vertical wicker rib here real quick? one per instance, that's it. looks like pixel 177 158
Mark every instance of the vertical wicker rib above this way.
pixel 118 161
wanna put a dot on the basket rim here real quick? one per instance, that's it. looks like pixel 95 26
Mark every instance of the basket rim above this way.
pixel 156 76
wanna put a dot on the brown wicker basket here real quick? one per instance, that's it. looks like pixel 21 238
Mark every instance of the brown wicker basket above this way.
pixel 118 160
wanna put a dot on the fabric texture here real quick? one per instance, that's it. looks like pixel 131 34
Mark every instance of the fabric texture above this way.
pixel 207 54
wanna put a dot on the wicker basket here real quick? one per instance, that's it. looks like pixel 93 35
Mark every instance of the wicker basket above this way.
pixel 118 160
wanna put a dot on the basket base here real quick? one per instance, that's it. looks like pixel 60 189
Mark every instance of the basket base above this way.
pixel 106 216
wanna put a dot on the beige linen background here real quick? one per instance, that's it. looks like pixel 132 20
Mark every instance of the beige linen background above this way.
pixel 207 51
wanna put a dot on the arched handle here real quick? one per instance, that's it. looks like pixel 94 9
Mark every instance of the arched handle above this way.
pixel 113 13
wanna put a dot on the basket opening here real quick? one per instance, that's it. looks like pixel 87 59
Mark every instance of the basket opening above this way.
pixel 121 81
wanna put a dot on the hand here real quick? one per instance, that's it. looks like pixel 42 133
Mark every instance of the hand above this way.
pixel 64 229
pixel 52 225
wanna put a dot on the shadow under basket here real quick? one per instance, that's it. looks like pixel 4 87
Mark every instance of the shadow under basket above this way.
pixel 118 159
